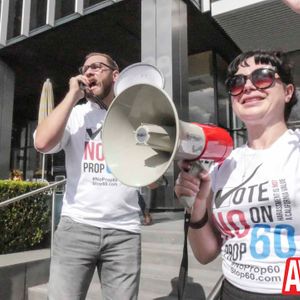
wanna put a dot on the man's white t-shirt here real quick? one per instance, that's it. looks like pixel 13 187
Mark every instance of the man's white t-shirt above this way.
pixel 93 195
pixel 256 207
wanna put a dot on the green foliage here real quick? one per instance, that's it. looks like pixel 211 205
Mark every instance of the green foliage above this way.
pixel 24 224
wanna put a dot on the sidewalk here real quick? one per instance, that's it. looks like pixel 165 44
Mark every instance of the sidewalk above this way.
pixel 162 246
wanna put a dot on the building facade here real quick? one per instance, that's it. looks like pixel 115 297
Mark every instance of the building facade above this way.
pixel 190 41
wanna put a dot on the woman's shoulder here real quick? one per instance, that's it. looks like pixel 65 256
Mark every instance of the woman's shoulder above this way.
pixel 238 152
pixel 293 135
pixel 297 132
pixel 232 158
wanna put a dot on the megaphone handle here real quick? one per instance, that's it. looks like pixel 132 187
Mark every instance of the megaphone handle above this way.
pixel 162 181
pixel 196 168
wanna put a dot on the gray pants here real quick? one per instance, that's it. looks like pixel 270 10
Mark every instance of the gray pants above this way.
pixel 79 249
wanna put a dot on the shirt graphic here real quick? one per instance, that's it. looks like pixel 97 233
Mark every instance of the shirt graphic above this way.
pixel 93 159
pixel 258 214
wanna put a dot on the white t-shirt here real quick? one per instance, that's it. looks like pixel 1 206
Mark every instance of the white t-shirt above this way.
pixel 93 195
pixel 256 207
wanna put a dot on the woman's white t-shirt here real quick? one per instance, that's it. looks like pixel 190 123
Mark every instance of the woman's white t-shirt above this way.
pixel 256 207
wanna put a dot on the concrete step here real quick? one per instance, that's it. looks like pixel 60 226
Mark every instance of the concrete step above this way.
pixel 21 270
pixel 161 280
pixel 166 254
pixel 162 246
pixel 155 284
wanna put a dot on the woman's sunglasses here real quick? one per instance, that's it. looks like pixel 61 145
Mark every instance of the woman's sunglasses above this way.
pixel 261 78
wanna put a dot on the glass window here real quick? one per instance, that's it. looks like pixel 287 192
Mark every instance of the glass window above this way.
pixel 226 116
pixel 88 3
pixel 222 95
pixel 64 8
pixel 202 93
pixel 14 18
pixel 295 115
pixel 38 12
pixel 201 88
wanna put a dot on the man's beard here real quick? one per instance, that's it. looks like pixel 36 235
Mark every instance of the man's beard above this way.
pixel 99 98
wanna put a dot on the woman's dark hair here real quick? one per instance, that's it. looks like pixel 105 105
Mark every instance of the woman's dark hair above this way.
pixel 279 60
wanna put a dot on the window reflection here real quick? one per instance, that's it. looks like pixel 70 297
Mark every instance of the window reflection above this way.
pixel 222 95
pixel 88 3
pixel 201 91
pixel 64 8
pixel 202 104
pixel 14 18
pixel 295 115
pixel 226 116
pixel 38 12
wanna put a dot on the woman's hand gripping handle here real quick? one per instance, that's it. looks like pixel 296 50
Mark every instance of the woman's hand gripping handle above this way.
pixel 192 183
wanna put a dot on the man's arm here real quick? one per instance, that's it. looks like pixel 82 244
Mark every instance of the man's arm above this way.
pixel 50 131
pixel 293 4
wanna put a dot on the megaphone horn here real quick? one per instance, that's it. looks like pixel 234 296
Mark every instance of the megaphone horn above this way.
pixel 142 135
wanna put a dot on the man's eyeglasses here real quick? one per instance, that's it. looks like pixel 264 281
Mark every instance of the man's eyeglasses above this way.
pixel 95 67
pixel 262 78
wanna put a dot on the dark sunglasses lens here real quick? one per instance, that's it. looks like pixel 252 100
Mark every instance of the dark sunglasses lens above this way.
pixel 236 85
pixel 263 78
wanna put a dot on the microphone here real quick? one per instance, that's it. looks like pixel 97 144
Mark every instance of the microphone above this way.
pixel 92 97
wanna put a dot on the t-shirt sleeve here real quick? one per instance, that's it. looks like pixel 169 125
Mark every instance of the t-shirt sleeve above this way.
pixel 61 145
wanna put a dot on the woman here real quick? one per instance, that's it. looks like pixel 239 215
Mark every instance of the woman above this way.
pixel 247 208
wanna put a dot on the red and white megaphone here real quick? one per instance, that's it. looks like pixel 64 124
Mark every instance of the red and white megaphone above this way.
pixel 142 135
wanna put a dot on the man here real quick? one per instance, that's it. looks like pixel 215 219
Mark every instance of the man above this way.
pixel 99 224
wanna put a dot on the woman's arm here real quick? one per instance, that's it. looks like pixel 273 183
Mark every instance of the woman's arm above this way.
pixel 205 241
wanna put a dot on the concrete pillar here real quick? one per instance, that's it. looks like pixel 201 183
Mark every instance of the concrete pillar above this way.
pixel 164 44
pixel 7 85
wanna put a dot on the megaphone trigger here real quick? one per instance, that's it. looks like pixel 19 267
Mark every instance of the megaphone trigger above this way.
pixel 196 167
pixel 161 181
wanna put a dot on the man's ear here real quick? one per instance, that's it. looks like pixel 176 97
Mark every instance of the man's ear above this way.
pixel 289 92
pixel 116 74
